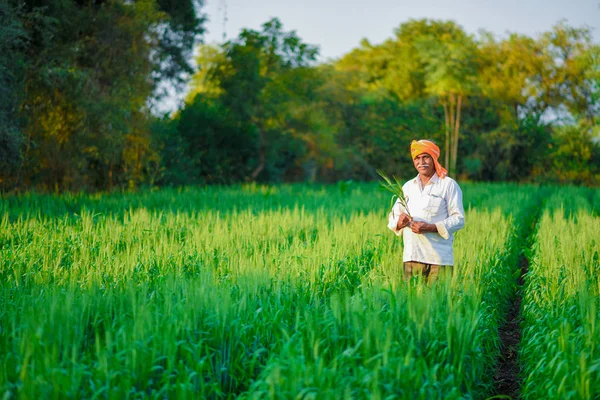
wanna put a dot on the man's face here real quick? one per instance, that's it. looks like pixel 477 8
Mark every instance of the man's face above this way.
pixel 424 164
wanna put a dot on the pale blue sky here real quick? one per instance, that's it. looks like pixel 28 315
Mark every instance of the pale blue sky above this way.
pixel 337 26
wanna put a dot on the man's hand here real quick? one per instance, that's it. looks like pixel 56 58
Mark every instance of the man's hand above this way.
pixel 403 221
pixel 422 227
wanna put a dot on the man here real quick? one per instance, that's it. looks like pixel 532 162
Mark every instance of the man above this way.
pixel 434 202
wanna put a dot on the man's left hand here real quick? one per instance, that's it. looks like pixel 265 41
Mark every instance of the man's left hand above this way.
pixel 422 227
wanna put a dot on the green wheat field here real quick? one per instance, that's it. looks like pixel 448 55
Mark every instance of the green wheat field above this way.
pixel 291 292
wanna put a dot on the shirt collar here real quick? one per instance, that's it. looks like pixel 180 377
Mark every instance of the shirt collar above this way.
pixel 434 179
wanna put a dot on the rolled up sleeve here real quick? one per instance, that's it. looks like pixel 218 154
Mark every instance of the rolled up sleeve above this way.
pixel 456 213
pixel 394 216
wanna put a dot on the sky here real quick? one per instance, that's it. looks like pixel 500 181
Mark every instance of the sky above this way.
pixel 337 26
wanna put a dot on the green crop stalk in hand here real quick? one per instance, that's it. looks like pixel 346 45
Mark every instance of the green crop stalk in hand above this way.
pixel 395 187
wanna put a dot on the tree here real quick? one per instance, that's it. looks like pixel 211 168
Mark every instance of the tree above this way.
pixel 249 80
pixel 570 54
pixel 450 71
pixel 177 34
pixel 507 68
pixel 13 39
pixel 217 149
pixel 576 154
pixel 92 67
pixel 551 73
pixel 374 69
pixel 379 131
pixel 205 81
pixel 426 57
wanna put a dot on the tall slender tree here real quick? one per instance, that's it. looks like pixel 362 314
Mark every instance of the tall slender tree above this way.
pixel 450 73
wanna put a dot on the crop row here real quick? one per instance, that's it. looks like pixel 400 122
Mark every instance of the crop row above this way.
pixel 559 353
pixel 251 292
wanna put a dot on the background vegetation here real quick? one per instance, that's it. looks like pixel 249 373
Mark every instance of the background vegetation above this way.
pixel 79 81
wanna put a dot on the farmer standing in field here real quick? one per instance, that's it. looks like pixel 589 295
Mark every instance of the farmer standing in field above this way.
pixel 434 202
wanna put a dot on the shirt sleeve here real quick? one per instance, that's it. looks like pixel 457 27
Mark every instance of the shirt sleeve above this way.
pixel 456 212
pixel 394 216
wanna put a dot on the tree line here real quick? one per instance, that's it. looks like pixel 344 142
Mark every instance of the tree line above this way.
pixel 77 79
pixel 81 77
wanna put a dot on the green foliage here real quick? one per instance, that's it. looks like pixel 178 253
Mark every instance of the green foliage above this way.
pixel 378 134
pixel 217 149
pixel 450 64
pixel 13 41
pixel 205 81
pixel 510 83
pixel 167 293
pixel 264 91
pixel 576 154
pixel 88 69
pixel 86 96
pixel 506 68
pixel 516 152
pixel 260 86
pixel 425 56
pixel 177 35
pixel 80 79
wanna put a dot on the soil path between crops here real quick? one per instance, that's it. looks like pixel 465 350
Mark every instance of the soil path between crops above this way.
pixel 506 379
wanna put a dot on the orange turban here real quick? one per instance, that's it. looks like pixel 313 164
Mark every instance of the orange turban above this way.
pixel 426 146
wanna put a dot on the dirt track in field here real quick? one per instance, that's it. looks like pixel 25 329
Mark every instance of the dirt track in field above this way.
pixel 507 374
pixel 506 379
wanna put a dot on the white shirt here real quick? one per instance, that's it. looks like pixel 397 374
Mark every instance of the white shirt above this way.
pixel 440 203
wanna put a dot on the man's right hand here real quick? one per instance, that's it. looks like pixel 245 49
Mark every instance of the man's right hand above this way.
pixel 403 221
